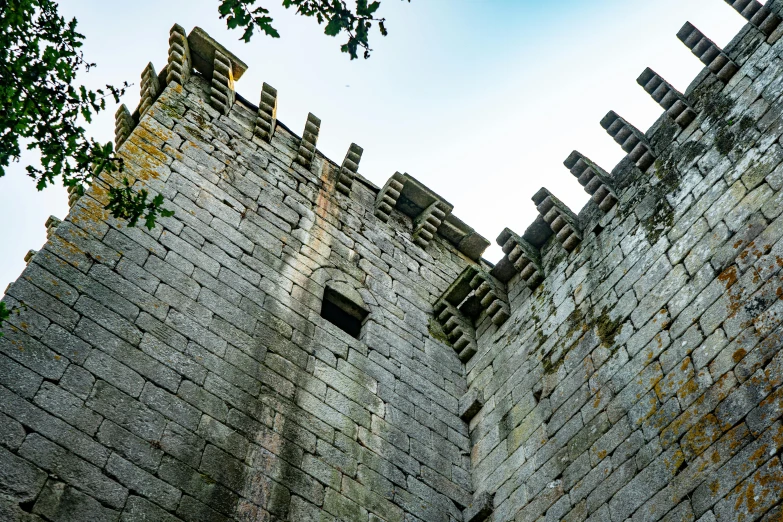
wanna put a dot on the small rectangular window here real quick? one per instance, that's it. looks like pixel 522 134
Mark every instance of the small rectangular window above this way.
pixel 343 313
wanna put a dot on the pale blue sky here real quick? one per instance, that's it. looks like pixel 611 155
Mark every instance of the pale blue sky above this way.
pixel 482 100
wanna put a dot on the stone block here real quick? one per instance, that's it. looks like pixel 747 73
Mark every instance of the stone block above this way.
pixel 470 404
pixel 138 509
pixel 126 411
pixel 62 503
pixel 186 372
pixel 142 482
pixel 73 470
pixel 68 407
pixel 19 478
pixel 479 509
pixel 170 406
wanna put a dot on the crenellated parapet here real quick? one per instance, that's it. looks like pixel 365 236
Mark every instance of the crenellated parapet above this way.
pixel 631 139
pixel 594 179
pixel 197 51
pixel 430 214
pixel 710 54
pixel 286 311
pixel 674 102
pixel 559 217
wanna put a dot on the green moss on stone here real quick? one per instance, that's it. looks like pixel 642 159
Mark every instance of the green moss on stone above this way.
pixel 724 141
pixel 607 329
pixel 436 331
pixel 715 105
pixel 746 124
pixel 666 132
pixel 197 133
pixel 661 220
pixel 549 366
pixel 690 151
pixel 576 322
pixel 662 216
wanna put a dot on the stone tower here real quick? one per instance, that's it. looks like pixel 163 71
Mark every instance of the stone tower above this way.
pixel 297 344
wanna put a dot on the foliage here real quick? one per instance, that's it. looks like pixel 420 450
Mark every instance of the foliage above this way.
pixel 336 14
pixel 126 204
pixel 40 57
pixel 43 107
pixel 5 313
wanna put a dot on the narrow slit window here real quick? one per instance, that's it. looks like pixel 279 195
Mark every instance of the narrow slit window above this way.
pixel 343 313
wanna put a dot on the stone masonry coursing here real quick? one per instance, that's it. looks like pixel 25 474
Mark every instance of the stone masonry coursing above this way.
pixel 622 363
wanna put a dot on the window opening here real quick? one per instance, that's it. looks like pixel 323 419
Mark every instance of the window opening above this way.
pixel 343 313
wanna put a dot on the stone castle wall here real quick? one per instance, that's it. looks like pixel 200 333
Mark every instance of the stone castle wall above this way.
pixel 618 364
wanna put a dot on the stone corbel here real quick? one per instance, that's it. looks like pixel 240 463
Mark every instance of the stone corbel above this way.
pixel 757 14
pixel 51 226
pixel 222 94
pixel 458 329
pixel 426 224
pixel 593 178
pixel 73 196
pixel 349 169
pixel 560 218
pixel 430 213
pixel 631 139
pixel 710 54
pixel 180 64
pixel 480 509
pixel 123 125
pixel 520 258
pixel 266 120
pixel 470 404
pixel 472 293
pixel 388 196
pixel 490 299
pixel 309 140
pixel 674 102
pixel 150 88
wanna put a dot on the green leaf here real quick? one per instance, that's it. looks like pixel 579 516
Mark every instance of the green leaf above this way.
pixel 5 314
pixel 339 18
pixel 43 106
pixel 333 28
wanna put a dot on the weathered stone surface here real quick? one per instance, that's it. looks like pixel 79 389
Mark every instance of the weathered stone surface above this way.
pixel 197 372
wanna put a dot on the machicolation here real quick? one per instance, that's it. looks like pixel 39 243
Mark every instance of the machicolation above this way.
pixel 298 344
